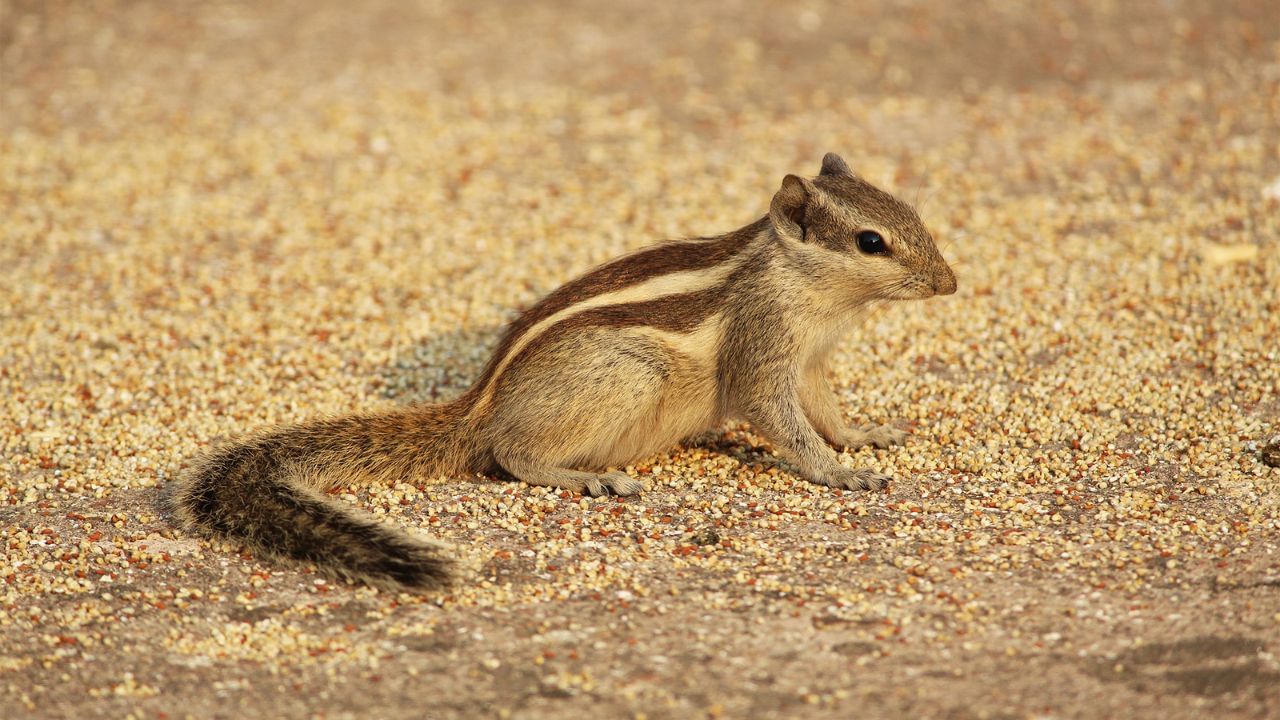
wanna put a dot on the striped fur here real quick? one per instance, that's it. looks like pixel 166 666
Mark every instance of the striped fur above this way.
pixel 616 365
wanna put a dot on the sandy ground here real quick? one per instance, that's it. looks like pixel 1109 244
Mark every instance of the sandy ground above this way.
pixel 221 215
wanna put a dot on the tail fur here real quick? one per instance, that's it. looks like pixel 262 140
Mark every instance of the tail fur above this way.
pixel 267 493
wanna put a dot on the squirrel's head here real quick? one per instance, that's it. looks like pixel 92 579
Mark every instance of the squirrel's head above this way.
pixel 846 228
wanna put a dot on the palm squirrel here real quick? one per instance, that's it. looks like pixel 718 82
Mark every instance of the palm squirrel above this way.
pixel 619 364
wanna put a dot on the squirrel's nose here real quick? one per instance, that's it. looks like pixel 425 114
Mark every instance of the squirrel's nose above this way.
pixel 944 283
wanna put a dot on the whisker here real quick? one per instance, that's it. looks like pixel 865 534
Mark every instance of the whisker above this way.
pixel 924 176
pixel 932 193
pixel 875 312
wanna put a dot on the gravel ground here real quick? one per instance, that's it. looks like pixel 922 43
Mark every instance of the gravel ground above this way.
pixel 221 215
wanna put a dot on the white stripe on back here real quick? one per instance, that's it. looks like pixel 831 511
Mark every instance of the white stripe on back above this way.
pixel 678 283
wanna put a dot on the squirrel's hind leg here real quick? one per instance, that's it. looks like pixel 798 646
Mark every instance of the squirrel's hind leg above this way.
pixel 590 400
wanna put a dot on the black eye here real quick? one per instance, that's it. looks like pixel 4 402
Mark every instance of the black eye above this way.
pixel 870 242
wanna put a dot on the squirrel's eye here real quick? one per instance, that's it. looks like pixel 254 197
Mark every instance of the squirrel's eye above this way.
pixel 870 242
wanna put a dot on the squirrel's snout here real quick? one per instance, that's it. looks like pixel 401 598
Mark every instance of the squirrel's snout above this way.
pixel 944 283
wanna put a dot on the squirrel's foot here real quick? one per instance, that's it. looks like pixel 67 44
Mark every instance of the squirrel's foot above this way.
pixel 881 436
pixel 850 479
pixel 613 483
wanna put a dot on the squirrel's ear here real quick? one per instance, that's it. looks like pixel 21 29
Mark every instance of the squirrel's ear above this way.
pixel 833 164
pixel 787 211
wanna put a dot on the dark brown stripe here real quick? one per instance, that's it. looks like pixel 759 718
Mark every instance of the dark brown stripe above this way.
pixel 624 272
pixel 674 313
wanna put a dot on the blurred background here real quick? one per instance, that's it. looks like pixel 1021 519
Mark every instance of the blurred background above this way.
pixel 695 59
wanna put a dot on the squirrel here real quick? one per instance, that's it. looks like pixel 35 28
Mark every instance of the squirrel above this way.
pixel 621 363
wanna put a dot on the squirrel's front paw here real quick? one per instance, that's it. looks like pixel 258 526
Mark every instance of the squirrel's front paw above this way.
pixel 849 479
pixel 881 436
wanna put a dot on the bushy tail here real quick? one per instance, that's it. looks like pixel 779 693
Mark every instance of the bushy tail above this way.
pixel 267 493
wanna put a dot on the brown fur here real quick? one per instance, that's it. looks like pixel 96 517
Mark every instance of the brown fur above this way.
pixel 624 272
pixel 619 364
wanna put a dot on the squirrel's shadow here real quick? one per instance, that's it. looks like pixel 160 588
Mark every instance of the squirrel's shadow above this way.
pixel 438 367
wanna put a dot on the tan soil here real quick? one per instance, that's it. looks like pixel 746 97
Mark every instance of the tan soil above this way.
pixel 219 215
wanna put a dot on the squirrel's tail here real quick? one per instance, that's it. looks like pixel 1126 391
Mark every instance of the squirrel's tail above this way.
pixel 267 493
